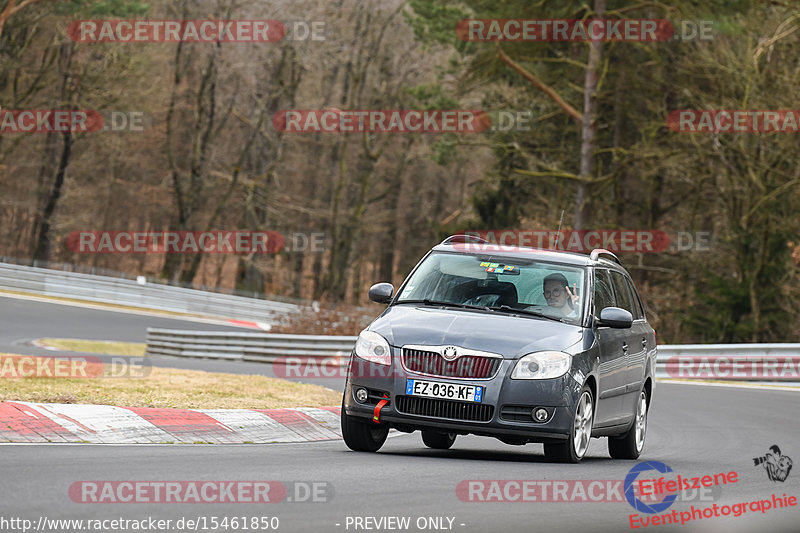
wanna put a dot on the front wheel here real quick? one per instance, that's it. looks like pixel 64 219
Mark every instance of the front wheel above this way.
pixel 573 449
pixel 362 436
pixel 630 445
pixel 438 441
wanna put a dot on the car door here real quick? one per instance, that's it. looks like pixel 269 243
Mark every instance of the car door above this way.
pixel 612 366
pixel 645 337
pixel 635 347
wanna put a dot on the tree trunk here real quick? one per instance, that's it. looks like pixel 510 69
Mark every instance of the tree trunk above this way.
pixel 589 126
pixel 389 248
pixel 42 250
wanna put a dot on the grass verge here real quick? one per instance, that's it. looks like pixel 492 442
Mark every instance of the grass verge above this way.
pixel 167 387
pixel 100 347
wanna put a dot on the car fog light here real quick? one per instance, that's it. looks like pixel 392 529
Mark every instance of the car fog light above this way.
pixel 361 395
pixel 539 414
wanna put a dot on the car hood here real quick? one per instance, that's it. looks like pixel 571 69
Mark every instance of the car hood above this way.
pixel 500 333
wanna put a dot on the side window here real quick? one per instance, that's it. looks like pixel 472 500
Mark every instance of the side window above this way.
pixel 623 294
pixel 638 310
pixel 603 295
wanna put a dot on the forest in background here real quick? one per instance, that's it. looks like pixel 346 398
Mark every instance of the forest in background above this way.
pixel 598 147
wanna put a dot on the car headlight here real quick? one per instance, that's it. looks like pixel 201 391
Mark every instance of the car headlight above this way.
pixel 373 348
pixel 542 365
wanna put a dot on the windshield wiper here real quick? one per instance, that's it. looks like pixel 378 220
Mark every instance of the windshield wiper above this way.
pixel 427 301
pixel 503 308
pixel 509 309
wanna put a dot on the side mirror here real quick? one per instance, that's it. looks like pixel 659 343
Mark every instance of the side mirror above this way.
pixel 615 317
pixel 381 293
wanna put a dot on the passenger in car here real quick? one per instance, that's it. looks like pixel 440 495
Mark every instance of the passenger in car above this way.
pixel 559 296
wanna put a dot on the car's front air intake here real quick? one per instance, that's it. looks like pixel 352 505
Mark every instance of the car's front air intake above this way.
pixel 469 411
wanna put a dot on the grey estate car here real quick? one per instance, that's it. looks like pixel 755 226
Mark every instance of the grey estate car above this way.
pixel 520 344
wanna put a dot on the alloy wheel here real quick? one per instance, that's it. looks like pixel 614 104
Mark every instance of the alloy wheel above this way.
pixel 582 424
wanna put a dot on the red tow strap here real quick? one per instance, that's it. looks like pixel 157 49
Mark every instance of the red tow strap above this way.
pixel 376 414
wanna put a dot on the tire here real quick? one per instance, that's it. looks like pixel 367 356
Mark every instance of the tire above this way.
pixel 362 436
pixel 630 445
pixel 438 441
pixel 573 449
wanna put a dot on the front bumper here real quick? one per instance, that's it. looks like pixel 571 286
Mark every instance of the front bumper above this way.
pixel 505 402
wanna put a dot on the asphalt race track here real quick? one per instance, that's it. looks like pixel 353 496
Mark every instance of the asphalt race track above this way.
pixel 695 430
pixel 23 320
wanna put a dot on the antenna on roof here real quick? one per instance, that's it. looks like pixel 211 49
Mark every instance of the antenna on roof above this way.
pixel 558 233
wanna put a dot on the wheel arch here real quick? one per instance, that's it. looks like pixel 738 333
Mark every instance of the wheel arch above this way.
pixel 648 389
pixel 591 382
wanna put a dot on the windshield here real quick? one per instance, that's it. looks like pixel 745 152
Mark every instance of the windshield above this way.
pixel 501 283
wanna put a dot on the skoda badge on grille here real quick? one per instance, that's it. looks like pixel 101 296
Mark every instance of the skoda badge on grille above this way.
pixel 450 353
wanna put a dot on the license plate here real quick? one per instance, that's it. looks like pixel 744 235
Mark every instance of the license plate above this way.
pixel 448 391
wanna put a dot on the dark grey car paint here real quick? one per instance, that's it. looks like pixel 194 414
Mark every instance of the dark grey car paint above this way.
pixel 615 374
pixel 508 335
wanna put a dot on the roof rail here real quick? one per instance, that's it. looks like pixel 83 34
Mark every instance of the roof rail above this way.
pixel 465 239
pixel 598 251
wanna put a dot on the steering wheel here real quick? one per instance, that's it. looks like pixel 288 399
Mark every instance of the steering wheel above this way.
pixel 484 299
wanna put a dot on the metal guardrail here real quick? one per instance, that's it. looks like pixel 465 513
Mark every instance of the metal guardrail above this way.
pixel 130 293
pixel 751 362
pixel 755 362
pixel 247 346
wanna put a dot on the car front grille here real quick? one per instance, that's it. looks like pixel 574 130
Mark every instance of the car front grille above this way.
pixel 465 367
pixel 468 411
